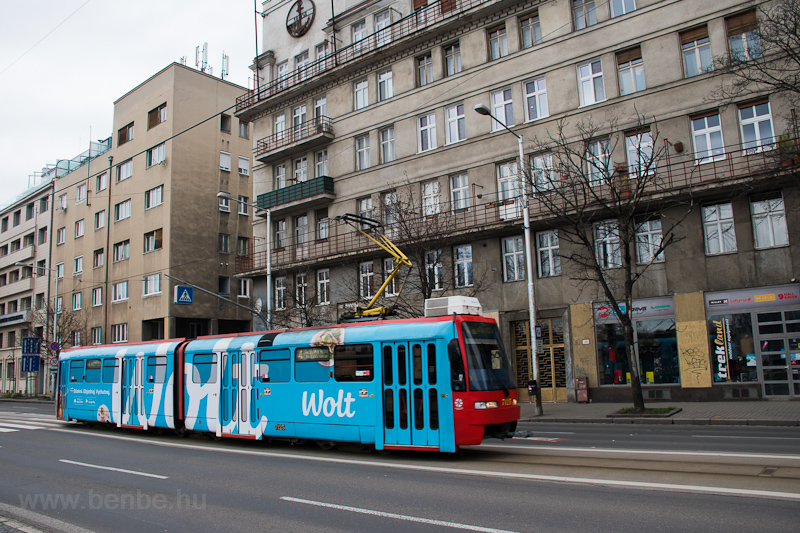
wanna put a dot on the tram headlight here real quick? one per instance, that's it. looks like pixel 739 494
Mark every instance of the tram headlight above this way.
pixel 486 405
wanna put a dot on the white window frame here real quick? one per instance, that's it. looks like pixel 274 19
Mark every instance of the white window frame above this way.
pixel 383 20
pixel 459 192
pixel 360 94
pixel 707 139
pixel 362 152
pixel 648 240
pixel 79 228
pixel 300 288
pixel 97 296
pixel 434 269
pixel 80 193
pixel 76 301
pixel 156 155
pixel 61 236
pixel 548 254
pixel 388 268
pixel 536 107
pixel 426 127
pixel 590 82
pixel 753 129
pixel 60 270
pixel 598 161
pixel 97 336
pixel 243 290
pixel 121 251
pixel 122 210
pixel 502 108
pixel 125 170
pixel 280 293
pixel 424 69
pixel 77 265
pixel 98 258
pixel 243 207
pixel 639 148
pixel 697 55
pixel 279 127
pixel 607 245
pixel 430 198
pixel 456 129
pixel 584 14
pixel 769 222
pixel 321 163
pixel 153 197
pixel 633 71
pixel 225 161
pixel 366 274
pixel 279 173
pixel 151 285
pixel 359 33
pixel 462 266
pixel 544 176
pixel 244 166
pixel 385 85
pixel 387 145
pixel 531 30
pixel 513 258
pixel 119 292
pixel 300 170
pixel 224 204
pixel 498 43
pixel 119 333
pixel 323 286
pixel 452 59
pixel 622 7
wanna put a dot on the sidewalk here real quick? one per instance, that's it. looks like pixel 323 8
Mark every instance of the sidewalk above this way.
pixel 741 413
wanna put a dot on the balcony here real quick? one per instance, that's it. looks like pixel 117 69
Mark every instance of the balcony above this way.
pixel 489 215
pixel 309 194
pixel 307 135
pixel 16 287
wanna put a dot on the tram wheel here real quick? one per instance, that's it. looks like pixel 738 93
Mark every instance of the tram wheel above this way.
pixel 326 444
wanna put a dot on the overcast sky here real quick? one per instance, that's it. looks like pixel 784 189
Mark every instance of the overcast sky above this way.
pixel 63 63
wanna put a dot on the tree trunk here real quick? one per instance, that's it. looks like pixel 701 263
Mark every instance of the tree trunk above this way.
pixel 633 366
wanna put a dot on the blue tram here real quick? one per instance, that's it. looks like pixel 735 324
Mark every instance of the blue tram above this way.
pixel 423 384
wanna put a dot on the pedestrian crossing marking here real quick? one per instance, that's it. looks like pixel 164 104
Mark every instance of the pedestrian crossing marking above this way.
pixel 11 422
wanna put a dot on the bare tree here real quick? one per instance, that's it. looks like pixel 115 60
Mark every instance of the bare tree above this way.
pixel 600 210
pixel 302 305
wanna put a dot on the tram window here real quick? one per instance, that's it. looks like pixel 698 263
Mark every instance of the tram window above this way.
pixel 419 410
pixel 110 371
pixel 76 371
pixel 274 366
pixel 401 365
pixel 205 368
pixel 353 362
pixel 388 408
pixel 416 353
pixel 387 366
pixel 312 364
pixel 92 371
pixel 156 369
pixel 431 364
pixel 433 407
pixel 457 382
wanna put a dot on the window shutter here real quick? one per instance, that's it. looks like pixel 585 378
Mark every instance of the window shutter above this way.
pixel 695 34
pixel 629 55
pixel 741 23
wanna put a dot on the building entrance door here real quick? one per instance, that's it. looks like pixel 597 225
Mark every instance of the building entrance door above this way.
pixel 552 360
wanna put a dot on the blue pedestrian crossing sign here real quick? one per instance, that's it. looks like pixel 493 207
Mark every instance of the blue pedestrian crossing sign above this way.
pixel 184 295
pixel 30 363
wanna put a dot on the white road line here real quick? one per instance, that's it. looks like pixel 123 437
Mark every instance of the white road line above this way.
pixel 39 423
pixel 668 487
pixel 113 469
pixel 638 452
pixel 407 518
pixel 18 426
pixel 738 437
pixel 7 430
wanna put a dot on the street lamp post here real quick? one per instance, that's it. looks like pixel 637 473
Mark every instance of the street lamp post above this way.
pixel 229 197
pixel 526 227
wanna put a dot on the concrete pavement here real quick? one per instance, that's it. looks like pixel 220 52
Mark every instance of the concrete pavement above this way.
pixel 744 413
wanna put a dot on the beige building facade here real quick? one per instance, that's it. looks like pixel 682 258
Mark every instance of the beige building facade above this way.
pixel 131 226
pixel 369 109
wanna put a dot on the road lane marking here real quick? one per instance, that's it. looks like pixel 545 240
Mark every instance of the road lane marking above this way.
pixel 407 518
pixel 7 430
pixel 637 452
pixel 738 437
pixel 157 476
pixel 668 487
pixel 18 426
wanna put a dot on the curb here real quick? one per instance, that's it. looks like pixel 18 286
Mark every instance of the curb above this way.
pixel 668 421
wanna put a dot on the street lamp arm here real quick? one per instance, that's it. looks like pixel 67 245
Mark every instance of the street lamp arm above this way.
pixel 483 110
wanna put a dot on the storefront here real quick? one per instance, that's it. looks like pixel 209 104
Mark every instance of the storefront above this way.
pixel 754 337
pixel 655 341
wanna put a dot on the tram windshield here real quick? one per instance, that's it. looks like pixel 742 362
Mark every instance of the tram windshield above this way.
pixel 489 365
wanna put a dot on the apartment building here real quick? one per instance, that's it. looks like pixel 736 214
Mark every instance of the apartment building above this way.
pixel 369 109
pixel 133 225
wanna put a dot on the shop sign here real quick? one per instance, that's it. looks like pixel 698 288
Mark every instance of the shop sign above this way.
pixel 650 308
pixel 727 301
pixel 722 350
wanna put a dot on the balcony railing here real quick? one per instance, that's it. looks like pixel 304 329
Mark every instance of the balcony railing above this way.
pixel 294 193
pixel 493 214
pixel 417 21
pixel 309 131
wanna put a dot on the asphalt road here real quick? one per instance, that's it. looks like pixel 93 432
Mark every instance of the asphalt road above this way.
pixel 165 483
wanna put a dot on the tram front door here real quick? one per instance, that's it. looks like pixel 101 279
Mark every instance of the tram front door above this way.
pixel 132 401
pixel 237 405
pixel 410 396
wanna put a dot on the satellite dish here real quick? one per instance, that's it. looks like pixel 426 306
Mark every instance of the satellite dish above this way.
pixel 257 305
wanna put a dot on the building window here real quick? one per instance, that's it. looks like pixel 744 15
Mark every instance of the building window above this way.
pixel 323 224
pixel 424 70
pixel 244 288
pixel 547 250
pixel 300 287
pixel 299 122
pixel 365 276
pixel 61 235
pixel 97 336
pixel 101 182
pixel 124 170
pixel 225 161
pixel 459 192
pixel 151 285
pixel 301 170
pixel 280 176
pixel 224 204
pixel 62 205
pixel 301 230
pixel 222 243
pixel 536 99
pixel 362 152
pixel 125 134
pixel 359 31
pixel 119 291
pixel 631 71
pixel 743 37
pixel 365 209
pixel 591 83
pixel 97 296
pixel 244 129
pixel 60 270
pixel 242 245
pixel 382 22
pixel 718 228
pixel 98 258
pixel 153 197
pixel 119 332
pixel 100 219
pixel 452 59
pixel 29 210
pixel 456 129
pixel 531 31
pixel 320 108
pixel 279 129
pixel 156 155
pixel 513 259
pixel 76 338
pixel 648 241
pixel 463 266
pixel 157 116
pixel 244 166
pixel 430 198
pixel 696 49
pixel 321 50
pixel 508 186
pixel 301 61
pixel 323 287
pixel 598 162
pixel 639 147
pixel 80 196
pixel 583 14
pixel 283 75
pixel 79 228
pixel 361 90
pixel 122 210
pixel 502 109
pixel 76 301
pixel 755 121
pixel 152 241
pixel 280 293
pixel 622 7
pixel 543 173
pixel 385 88
pixel 707 137
pixel 387 145
pixel 388 268
pixel 427 132
pixel 434 270
pixel 607 244
pixel 42 235
pixel 769 221
pixel 243 201
pixel 498 43
pixel 122 250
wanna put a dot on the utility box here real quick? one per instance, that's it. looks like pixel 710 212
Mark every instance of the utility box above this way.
pixel 461 305
pixel 582 389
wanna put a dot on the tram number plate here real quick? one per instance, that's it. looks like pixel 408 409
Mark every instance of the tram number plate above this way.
pixel 507 401
pixel 280 427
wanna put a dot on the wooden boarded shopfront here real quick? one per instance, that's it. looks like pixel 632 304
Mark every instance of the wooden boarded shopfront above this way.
pixel 552 361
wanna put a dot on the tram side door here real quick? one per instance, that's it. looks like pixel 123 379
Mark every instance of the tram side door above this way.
pixel 132 401
pixel 410 398
pixel 237 408
pixel 63 388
